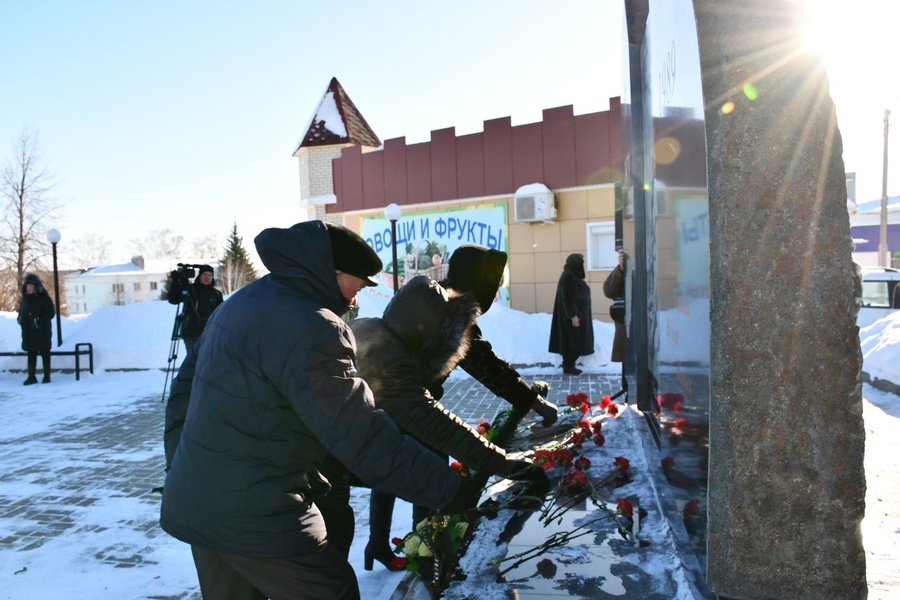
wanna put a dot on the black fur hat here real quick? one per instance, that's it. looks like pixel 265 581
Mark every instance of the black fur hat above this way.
pixel 33 279
pixel 477 270
pixel 353 255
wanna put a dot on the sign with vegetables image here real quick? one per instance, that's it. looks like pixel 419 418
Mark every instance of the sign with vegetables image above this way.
pixel 426 239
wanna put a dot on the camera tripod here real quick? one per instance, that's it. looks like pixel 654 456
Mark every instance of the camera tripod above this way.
pixel 177 330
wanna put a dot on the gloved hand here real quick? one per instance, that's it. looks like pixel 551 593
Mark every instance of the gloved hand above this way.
pixel 545 409
pixel 466 498
pixel 538 481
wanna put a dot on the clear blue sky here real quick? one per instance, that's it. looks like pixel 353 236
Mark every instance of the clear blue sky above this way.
pixel 185 114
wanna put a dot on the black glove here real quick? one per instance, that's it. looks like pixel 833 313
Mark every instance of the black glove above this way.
pixel 465 499
pixel 539 483
pixel 545 409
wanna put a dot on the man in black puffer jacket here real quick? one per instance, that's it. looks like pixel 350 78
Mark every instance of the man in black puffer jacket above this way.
pixel 274 390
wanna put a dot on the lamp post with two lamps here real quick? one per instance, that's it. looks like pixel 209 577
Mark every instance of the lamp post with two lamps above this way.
pixel 53 236
pixel 392 212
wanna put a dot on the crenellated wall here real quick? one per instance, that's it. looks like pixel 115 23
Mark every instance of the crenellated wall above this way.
pixel 561 151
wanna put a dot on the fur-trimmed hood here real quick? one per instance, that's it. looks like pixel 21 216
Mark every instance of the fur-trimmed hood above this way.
pixel 426 320
pixel 34 280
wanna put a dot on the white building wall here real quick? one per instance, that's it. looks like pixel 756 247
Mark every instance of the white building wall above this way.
pixel 118 284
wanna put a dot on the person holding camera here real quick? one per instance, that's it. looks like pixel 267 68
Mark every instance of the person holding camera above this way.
pixel 200 299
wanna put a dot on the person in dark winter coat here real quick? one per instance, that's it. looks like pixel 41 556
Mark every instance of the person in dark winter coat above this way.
pixel 614 289
pixel 200 299
pixel 571 329
pixel 423 334
pixel 479 271
pixel 36 312
pixel 274 391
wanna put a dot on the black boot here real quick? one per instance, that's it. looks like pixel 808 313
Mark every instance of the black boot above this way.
pixel 381 511
pixel 32 367
pixel 569 367
pixel 46 378
pixel 46 363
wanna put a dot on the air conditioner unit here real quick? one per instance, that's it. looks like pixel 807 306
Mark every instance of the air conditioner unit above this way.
pixel 534 203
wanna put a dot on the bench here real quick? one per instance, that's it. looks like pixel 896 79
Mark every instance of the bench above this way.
pixel 81 349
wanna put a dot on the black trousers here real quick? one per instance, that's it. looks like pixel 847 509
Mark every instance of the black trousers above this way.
pixel 32 362
pixel 322 575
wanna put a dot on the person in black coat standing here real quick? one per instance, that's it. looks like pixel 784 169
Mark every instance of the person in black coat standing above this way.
pixel 200 300
pixel 36 312
pixel 571 330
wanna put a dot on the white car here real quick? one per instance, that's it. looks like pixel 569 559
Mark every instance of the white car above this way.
pixel 877 291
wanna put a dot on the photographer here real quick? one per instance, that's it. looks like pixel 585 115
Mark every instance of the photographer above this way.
pixel 200 299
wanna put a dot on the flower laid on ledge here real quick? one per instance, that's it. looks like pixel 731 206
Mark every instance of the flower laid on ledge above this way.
pixel 435 540
pixel 431 550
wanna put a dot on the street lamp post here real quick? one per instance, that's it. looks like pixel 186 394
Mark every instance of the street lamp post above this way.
pixel 883 255
pixel 393 212
pixel 53 236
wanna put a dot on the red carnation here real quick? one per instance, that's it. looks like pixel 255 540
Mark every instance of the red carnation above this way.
pixel 459 468
pixel 575 400
pixel 624 508
pixel 544 459
pixel 546 569
pixel 613 409
pixel 605 401
pixel 398 563
pixel 690 509
pixel 576 481
pixel 599 439
pixel 563 458
pixel 621 463
pixel 582 463
pixel 396 541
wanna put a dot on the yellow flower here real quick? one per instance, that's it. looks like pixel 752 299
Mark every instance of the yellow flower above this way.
pixel 411 544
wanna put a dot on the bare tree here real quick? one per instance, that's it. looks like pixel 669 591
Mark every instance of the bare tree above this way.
pixel 159 243
pixel 89 250
pixel 206 246
pixel 27 203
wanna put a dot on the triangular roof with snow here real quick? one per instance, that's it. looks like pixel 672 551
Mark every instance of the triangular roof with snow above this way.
pixel 337 121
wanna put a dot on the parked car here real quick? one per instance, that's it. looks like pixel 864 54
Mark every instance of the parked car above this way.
pixel 877 291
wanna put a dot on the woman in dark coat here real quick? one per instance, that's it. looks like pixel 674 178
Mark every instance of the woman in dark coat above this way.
pixel 614 289
pixel 572 329
pixel 422 335
pixel 36 312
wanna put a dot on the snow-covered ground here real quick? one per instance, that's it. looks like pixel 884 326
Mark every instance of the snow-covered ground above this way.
pixel 137 337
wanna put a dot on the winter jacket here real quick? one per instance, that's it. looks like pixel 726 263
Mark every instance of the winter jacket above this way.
pixel 274 389
pixel 421 337
pixel 614 289
pixel 479 271
pixel 199 303
pixel 573 298
pixel 36 314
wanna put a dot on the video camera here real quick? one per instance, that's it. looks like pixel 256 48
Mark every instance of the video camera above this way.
pixel 184 273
